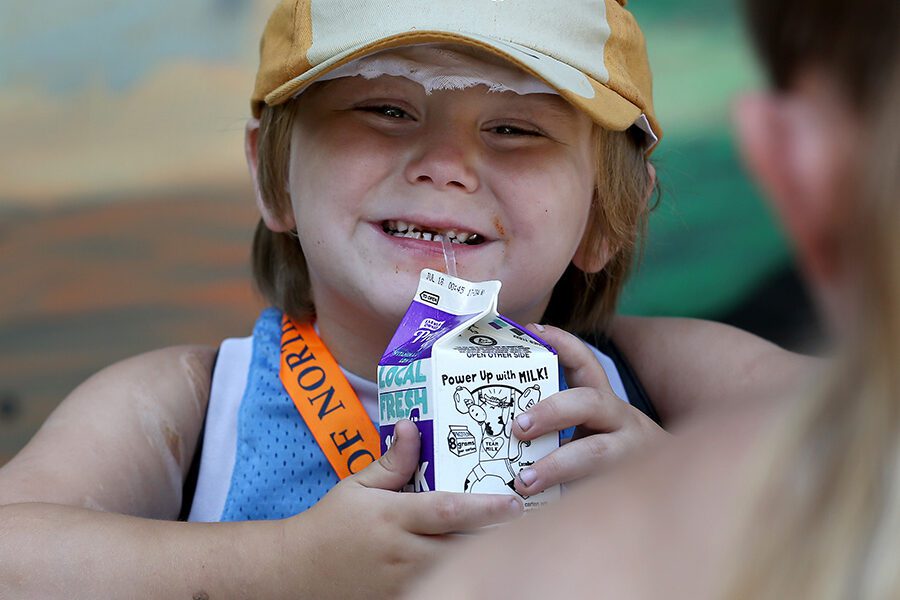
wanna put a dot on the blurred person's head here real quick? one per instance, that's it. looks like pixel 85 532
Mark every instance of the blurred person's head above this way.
pixel 811 140
pixel 824 144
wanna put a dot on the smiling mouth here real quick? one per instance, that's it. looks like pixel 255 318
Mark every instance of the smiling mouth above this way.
pixel 418 232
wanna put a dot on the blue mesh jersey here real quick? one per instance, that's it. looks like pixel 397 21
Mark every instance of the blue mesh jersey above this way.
pixel 276 467
pixel 279 469
pixel 257 459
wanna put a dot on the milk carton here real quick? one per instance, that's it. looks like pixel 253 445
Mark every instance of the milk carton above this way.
pixel 462 373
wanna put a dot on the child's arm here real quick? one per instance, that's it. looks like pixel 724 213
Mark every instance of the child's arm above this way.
pixel 121 444
pixel 690 366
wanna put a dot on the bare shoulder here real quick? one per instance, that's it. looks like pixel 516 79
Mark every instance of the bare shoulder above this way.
pixel 184 370
pixel 681 512
pixel 662 524
pixel 691 365
pixel 122 441
pixel 676 512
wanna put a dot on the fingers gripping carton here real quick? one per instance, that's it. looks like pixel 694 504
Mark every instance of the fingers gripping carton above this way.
pixel 462 373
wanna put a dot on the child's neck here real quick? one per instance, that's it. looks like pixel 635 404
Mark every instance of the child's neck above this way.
pixel 355 341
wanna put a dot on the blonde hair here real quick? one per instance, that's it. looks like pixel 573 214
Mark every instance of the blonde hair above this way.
pixel 581 302
pixel 831 495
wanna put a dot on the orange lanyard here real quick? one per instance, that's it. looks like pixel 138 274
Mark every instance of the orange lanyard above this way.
pixel 325 400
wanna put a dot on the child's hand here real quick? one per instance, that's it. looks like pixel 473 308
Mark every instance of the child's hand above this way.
pixel 606 426
pixel 371 541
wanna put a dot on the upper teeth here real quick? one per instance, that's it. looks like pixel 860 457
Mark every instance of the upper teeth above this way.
pixel 411 230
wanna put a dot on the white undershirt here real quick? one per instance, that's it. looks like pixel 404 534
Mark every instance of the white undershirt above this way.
pixel 367 392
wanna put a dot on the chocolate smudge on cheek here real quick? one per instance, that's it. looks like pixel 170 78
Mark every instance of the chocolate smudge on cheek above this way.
pixel 498 227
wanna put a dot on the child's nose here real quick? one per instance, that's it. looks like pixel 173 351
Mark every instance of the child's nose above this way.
pixel 445 161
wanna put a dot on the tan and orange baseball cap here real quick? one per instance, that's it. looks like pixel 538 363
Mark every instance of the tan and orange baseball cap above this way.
pixel 591 51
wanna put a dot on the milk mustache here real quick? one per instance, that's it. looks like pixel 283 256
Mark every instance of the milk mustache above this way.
pixel 462 373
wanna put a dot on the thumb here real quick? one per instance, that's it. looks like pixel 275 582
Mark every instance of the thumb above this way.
pixel 396 466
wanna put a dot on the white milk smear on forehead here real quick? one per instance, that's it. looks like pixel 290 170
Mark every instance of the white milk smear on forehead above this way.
pixel 439 67
pixel 455 67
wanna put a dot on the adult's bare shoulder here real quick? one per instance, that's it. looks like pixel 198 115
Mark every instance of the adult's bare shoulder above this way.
pixel 664 523
pixel 691 366
pixel 122 441
pixel 668 523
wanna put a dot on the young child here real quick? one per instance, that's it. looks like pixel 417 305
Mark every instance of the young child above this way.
pixel 518 130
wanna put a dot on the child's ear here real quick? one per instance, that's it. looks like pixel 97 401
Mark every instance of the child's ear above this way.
pixel 594 261
pixel 590 256
pixel 273 219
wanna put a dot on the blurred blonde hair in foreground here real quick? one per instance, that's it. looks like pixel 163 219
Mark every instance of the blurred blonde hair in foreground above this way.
pixel 830 495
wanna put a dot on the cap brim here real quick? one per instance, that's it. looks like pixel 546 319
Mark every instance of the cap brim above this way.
pixel 606 107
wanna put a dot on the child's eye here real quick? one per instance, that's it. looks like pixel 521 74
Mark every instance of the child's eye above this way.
pixel 513 130
pixel 387 110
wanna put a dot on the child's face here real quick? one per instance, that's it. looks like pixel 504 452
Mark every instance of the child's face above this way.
pixel 515 170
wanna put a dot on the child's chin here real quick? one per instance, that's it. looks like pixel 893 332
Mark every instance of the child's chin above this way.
pixel 392 300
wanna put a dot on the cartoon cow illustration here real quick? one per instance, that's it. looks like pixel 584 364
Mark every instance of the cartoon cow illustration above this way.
pixel 493 408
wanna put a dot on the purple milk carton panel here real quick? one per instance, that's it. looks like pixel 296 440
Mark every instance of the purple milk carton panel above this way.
pixel 462 373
